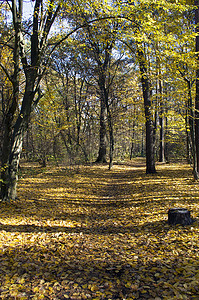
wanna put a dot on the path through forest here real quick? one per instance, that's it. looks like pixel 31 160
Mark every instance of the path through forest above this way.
pixel 85 232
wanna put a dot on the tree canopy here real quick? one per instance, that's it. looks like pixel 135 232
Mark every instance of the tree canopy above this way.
pixel 72 76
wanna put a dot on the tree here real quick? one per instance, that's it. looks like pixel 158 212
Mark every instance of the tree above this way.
pixel 102 51
pixel 150 139
pixel 98 42
pixel 33 72
pixel 197 90
pixel 155 23
pixel 76 92
pixel 10 104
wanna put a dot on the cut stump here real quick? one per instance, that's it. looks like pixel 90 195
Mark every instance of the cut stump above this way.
pixel 179 216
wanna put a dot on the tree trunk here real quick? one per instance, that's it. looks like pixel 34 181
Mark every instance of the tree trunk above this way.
pixel 162 149
pixel 196 175
pixel 7 136
pixel 110 126
pixel 9 118
pixel 188 139
pixel 133 135
pixel 77 111
pixel 32 73
pixel 20 127
pixel 102 146
pixel 190 121
pixel 150 147
pixel 142 142
pixel 161 121
pixel 166 144
pixel 150 156
pixel 132 142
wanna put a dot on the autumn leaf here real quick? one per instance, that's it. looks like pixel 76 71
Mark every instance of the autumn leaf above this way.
pixel 100 235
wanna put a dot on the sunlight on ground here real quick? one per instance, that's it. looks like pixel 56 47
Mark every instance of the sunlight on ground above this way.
pixel 91 233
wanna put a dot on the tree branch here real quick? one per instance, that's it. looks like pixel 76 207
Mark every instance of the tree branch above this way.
pixel 6 72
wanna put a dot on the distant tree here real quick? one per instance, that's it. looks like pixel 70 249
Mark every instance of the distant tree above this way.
pixel 102 43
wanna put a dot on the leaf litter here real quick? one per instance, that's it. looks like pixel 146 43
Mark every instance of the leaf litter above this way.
pixel 91 233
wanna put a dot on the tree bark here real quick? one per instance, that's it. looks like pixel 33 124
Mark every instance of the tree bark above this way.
pixel 8 128
pixel 132 141
pixel 150 147
pixel 102 56
pixel 20 128
pixel 102 145
pixel 133 134
pixel 191 123
pixel 196 175
pixel 32 79
pixel 110 126
pixel 9 118
pixel 161 121
pixel 6 146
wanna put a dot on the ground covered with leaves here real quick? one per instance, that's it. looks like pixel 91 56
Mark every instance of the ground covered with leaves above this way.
pixel 91 233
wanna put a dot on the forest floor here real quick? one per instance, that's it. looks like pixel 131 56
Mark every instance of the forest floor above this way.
pixel 90 233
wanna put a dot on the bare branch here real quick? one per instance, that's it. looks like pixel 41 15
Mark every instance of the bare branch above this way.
pixel 6 72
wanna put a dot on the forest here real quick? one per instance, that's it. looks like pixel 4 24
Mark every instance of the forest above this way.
pixel 99 139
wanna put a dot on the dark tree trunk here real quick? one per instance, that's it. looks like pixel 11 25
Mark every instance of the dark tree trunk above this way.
pixel 191 127
pixel 161 121
pixel 20 128
pixel 9 118
pixel 196 175
pixel 179 216
pixel 166 154
pixel 166 143
pixel 188 139
pixel 150 156
pixel 102 145
pixel 32 79
pixel 150 147
pixel 77 111
pixel 102 52
pixel 162 149
pixel 133 142
pixel 142 142
pixel 133 135
pixel 110 126
pixel 6 149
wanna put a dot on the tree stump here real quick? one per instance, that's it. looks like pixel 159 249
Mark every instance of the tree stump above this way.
pixel 179 216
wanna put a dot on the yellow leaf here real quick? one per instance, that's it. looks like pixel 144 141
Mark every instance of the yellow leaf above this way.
pixel 128 284
pixel 94 288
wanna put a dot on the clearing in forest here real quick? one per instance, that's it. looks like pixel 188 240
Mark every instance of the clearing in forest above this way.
pixel 90 233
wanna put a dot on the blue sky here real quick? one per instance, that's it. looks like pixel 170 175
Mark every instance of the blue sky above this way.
pixel 28 8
